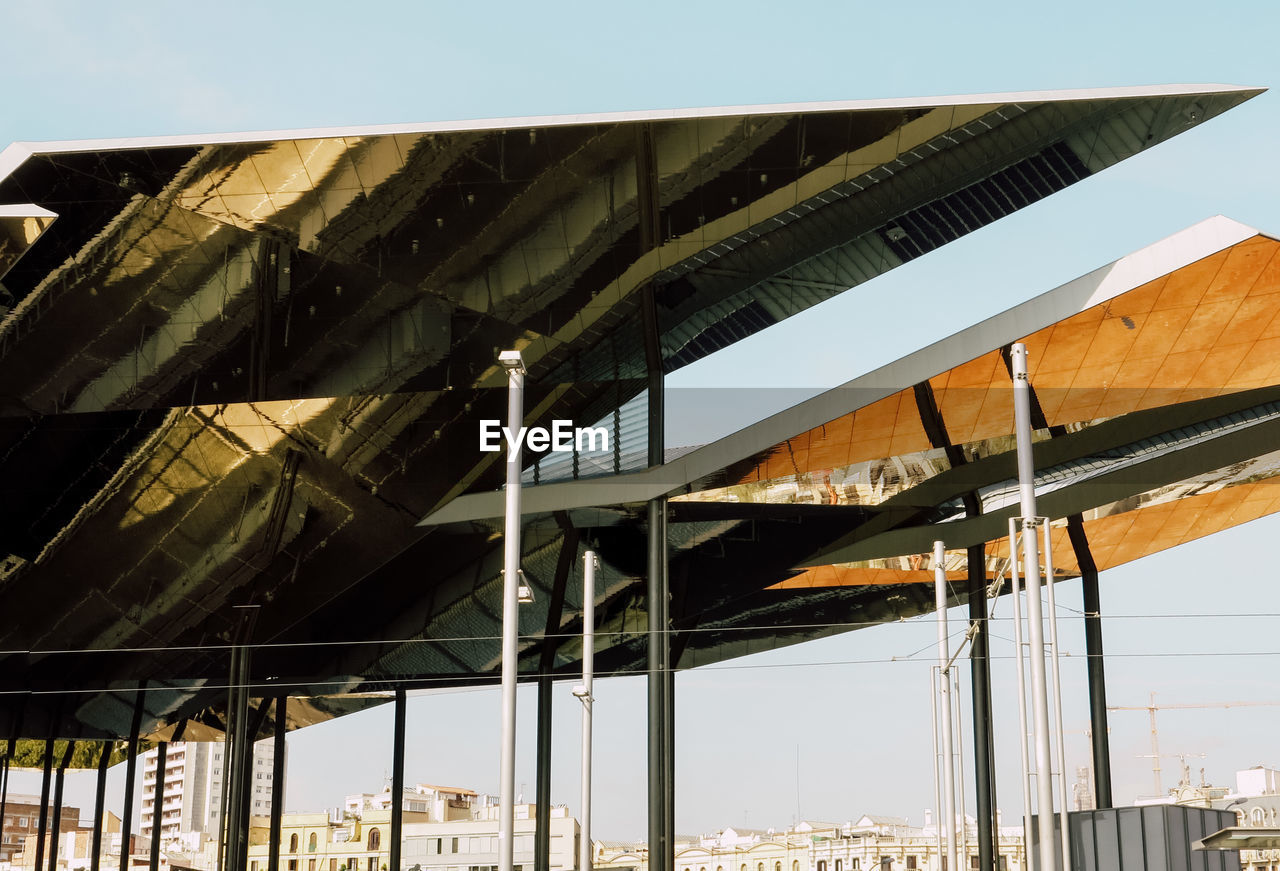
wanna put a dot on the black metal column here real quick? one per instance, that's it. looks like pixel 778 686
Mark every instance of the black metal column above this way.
pixel 546 664
pixel 660 725
pixel 239 760
pixel 99 804
pixel 984 785
pixel 131 771
pixel 55 825
pixel 397 780
pixel 157 806
pixel 42 827
pixel 1093 656
pixel 277 784
pixel 4 782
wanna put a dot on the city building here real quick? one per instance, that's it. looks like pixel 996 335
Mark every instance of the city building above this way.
pixel 22 817
pixel 193 781
pixel 1256 803
pixel 472 845
pixel 439 803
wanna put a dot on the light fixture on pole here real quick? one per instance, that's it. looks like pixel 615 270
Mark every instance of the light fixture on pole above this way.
pixel 513 363
pixel 524 592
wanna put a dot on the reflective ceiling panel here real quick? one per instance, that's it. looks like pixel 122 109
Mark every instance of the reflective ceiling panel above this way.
pixel 240 370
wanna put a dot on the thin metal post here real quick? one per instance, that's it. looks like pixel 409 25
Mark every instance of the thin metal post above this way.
pixel 659 849
pixel 937 774
pixel 397 780
pixel 514 364
pixel 589 565
pixel 55 826
pixel 42 827
pixel 157 808
pixel 963 850
pixel 277 783
pixel 1035 611
pixel 240 760
pixel 99 803
pixel 1065 834
pixel 980 681
pixel 130 775
pixel 1015 590
pixel 542 786
pixel 4 785
pixel 1093 654
pixel 944 703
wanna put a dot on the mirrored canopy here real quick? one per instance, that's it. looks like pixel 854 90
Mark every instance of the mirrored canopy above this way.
pixel 240 369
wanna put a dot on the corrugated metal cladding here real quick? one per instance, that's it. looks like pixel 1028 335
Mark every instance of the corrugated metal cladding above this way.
pixel 1152 838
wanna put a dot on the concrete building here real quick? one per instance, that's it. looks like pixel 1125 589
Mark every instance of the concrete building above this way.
pixel 439 803
pixel 22 818
pixel 1256 803
pixel 472 844
pixel 193 787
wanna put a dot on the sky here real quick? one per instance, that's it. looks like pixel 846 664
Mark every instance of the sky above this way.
pixel 831 729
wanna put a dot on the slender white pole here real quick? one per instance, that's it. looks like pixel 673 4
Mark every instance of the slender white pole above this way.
pixel 1049 859
pixel 963 850
pixel 589 565
pixel 944 704
pixel 1064 809
pixel 514 365
pixel 1015 589
pixel 937 774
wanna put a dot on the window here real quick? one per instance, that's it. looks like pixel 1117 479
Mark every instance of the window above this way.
pixel 759 866
pixel 822 865
pixel 1004 863
pixel 293 865
pixel 253 866
pixel 333 865
pixel 373 863
pixel 375 839
pixel 839 863
pixel 855 863
pixel 22 822
pixel 293 844
pixel 911 863
pixel 311 865
pixel 973 863
pixel 454 846
pixel 311 842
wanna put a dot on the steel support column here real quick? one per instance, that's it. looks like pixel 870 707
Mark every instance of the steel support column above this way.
pixel 546 663
pixel 277 784
pixel 1094 660
pixel 984 781
pixel 4 786
pixel 55 825
pixel 397 779
pixel 661 725
pixel 131 771
pixel 42 826
pixel 239 757
pixel 157 806
pixel 99 804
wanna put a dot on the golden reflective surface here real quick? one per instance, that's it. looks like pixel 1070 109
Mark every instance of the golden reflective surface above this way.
pixel 241 372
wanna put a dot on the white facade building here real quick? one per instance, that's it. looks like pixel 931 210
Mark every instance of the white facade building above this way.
pixel 194 773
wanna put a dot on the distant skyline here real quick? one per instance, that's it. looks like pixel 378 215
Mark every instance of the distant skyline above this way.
pixel 1195 625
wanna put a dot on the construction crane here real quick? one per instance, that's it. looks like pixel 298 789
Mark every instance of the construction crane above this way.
pixel 1155 735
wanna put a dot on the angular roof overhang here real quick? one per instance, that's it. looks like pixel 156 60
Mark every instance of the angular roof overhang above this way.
pixel 239 369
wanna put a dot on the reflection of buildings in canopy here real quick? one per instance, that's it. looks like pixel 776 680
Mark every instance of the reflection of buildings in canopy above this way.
pixel 241 370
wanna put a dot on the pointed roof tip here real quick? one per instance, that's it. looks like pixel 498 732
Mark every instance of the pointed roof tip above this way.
pixel 684 113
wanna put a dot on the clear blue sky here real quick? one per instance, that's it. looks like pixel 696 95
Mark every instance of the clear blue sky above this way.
pixel 857 724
